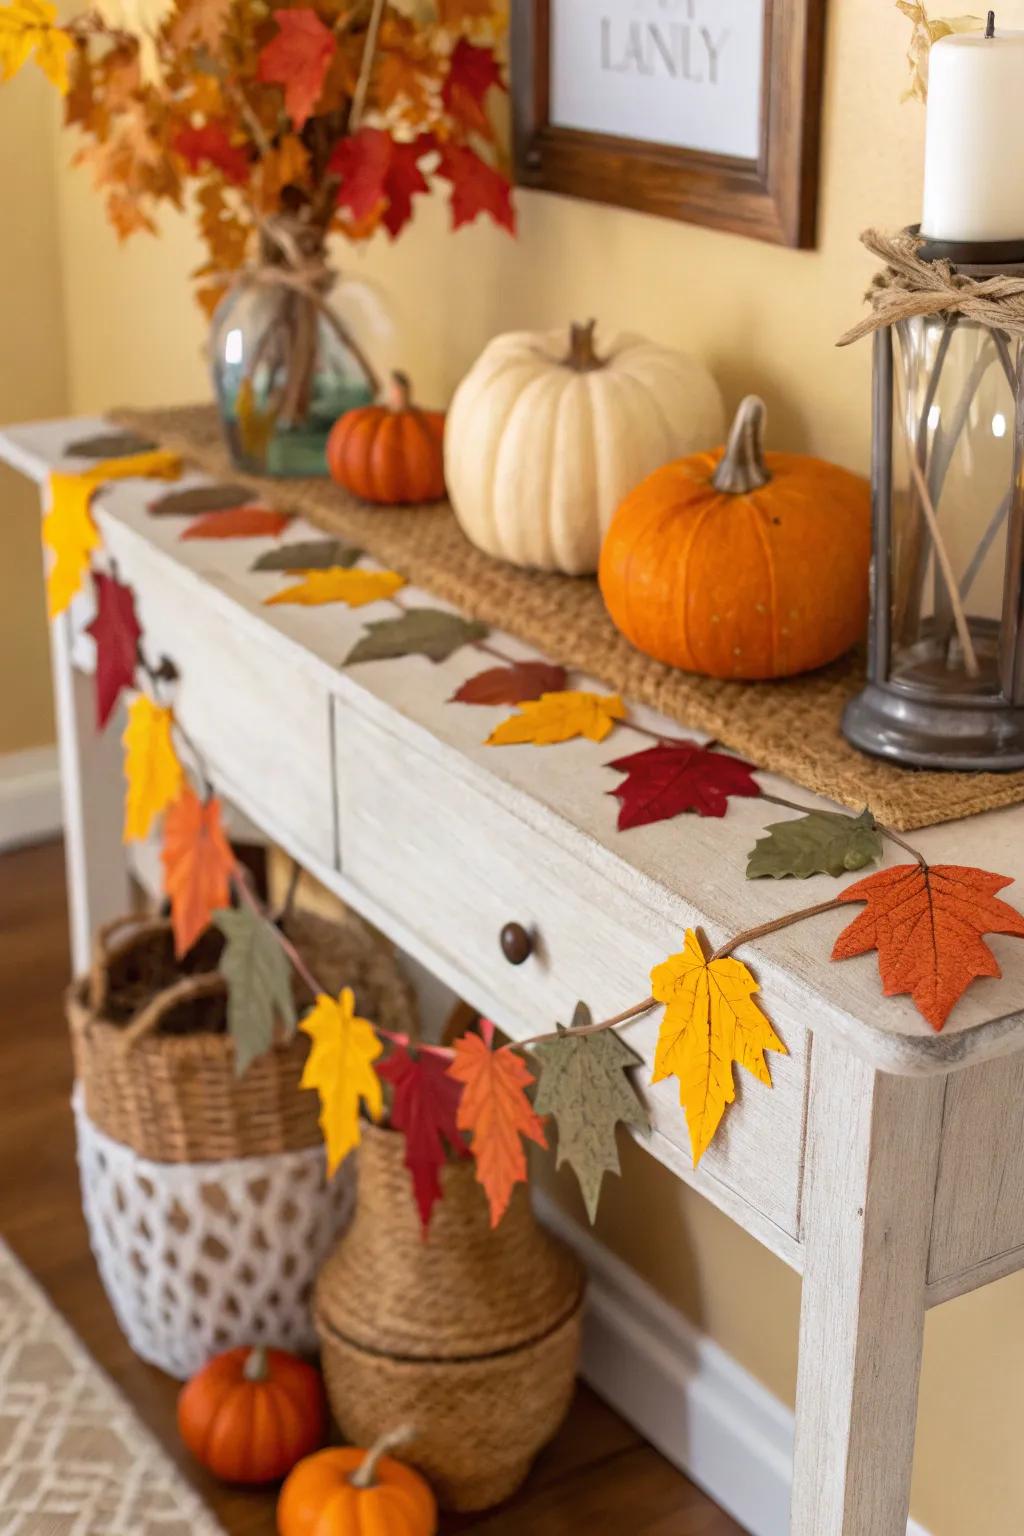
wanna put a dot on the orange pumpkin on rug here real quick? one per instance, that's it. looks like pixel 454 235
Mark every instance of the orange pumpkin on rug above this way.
pixel 390 453
pixel 250 1414
pixel 741 565
pixel 349 1492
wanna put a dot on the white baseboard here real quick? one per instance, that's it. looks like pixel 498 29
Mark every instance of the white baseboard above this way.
pixel 691 1400
pixel 30 808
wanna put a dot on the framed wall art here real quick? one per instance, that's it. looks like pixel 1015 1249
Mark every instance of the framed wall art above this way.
pixel 702 110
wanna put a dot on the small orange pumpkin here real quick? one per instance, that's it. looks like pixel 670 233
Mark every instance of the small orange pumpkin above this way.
pixel 250 1414
pixel 744 564
pixel 390 453
pixel 348 1492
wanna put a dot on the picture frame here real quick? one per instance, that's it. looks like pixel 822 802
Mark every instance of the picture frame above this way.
pixel 594 83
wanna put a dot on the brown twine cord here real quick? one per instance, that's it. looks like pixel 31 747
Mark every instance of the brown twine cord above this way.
pixel 910 286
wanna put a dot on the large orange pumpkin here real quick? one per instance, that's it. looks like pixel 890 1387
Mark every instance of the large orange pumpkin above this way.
pixel 349 1492
pixel 741 564
pixel 251 1414
pixel 390 453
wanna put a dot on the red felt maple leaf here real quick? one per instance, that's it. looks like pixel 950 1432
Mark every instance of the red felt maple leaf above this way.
pixel 476 188
pixel 927 923
pixel 374 169
pixel 212 144
pixel 198 862
pixel 472 73
pixel 245 522
pixel 117 632
pixel 516 684
pixel 424 1108
pixel 495 1109
pixel 298 58
pixel 672 777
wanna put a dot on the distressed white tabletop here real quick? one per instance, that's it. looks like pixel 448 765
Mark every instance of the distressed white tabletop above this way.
pixel 696 865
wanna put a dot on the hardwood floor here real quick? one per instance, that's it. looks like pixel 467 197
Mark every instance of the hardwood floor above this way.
pixel 598 1474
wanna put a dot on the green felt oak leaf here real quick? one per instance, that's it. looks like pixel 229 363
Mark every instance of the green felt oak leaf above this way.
pixel 313 555
pixel 419 632
pixel 259 983
pixel 108 445
pixel 215 496
pixel 820 843
pixel 584 1086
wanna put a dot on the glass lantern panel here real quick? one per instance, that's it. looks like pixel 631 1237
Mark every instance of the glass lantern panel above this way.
pixel 954 502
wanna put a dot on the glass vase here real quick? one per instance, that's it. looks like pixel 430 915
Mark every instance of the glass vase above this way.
pixel 284 369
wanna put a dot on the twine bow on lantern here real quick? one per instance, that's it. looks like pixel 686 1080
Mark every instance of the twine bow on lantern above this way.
pixel 910 286
pixel 292 258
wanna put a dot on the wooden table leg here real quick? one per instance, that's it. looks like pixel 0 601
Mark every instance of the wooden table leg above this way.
pixel 872 1157
pixel 92 793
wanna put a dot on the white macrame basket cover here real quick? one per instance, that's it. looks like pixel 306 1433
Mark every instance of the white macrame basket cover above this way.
pixel 199 1257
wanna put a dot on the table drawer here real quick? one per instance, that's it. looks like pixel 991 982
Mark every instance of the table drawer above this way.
pixel 424 843
pixel 267 743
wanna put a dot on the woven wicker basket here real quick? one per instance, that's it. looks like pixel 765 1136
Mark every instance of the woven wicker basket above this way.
pixel 471 1336
pixel 156 1064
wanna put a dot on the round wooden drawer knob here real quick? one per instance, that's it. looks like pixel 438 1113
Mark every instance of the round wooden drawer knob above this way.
pixel 516 943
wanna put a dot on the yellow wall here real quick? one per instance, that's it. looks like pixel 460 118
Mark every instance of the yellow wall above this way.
pixel 31 385
pixel 766 319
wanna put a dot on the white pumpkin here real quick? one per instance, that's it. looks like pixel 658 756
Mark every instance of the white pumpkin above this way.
pixel 545 436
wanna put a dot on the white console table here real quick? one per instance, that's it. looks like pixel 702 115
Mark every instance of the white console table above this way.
pixel 887 1163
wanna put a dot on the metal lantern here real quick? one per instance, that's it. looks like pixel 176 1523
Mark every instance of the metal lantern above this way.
pixel 946 645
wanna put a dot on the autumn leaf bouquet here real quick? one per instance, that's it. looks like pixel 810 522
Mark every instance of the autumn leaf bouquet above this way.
pixel 280 125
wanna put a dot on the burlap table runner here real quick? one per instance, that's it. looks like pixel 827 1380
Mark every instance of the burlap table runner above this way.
pixel 790 727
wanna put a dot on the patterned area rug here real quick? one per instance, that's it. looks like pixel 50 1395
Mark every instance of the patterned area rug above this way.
pixel 74 1458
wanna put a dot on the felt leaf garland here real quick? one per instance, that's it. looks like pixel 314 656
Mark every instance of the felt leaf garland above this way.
pixel 109 445
pixel 425 1109
pixel 198 863
pixel 512 684
pixel 583 1084
pixel 820 843
pixel 259 982
pixel 245 522
pixel 311 555
pixel 496 1111
pixel 711 1020
pixel 218 496
pixel 927 924
pixel 430 632
pixel 117 632
pixel 68 527
pixel 557 717
pixel 152 771
pixel 338 585
pixel 340 1068
pixel 670 778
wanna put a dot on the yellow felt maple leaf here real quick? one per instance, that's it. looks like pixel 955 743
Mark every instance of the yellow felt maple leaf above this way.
pixel 29 27
pixel 556 717
pixel 68 527
pixel 711 1021
pixel 339 585
pixel 340 1068
pixel 153 774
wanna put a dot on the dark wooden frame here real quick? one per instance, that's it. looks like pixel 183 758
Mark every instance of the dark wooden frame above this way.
pixel 771 198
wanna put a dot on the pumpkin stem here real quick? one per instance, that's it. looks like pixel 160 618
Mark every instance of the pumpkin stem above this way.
pixel 582 355
pixel 742 467
pixel 365 1475
pixel 257 1366
pixel 399 392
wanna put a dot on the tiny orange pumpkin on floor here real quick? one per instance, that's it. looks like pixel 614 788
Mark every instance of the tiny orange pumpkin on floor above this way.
pixel 250 1414
pixel 344 1491
pixel 391 453
pixel 744 564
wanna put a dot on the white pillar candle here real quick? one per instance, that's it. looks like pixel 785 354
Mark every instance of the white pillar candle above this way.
pixel 974 145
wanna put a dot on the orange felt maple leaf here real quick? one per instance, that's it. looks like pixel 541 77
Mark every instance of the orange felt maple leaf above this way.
pixel 494 1107
pixel 198 862
pixel 298 59
pixel 927 924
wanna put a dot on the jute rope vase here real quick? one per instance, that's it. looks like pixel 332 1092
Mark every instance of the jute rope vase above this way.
pixel 472 1335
